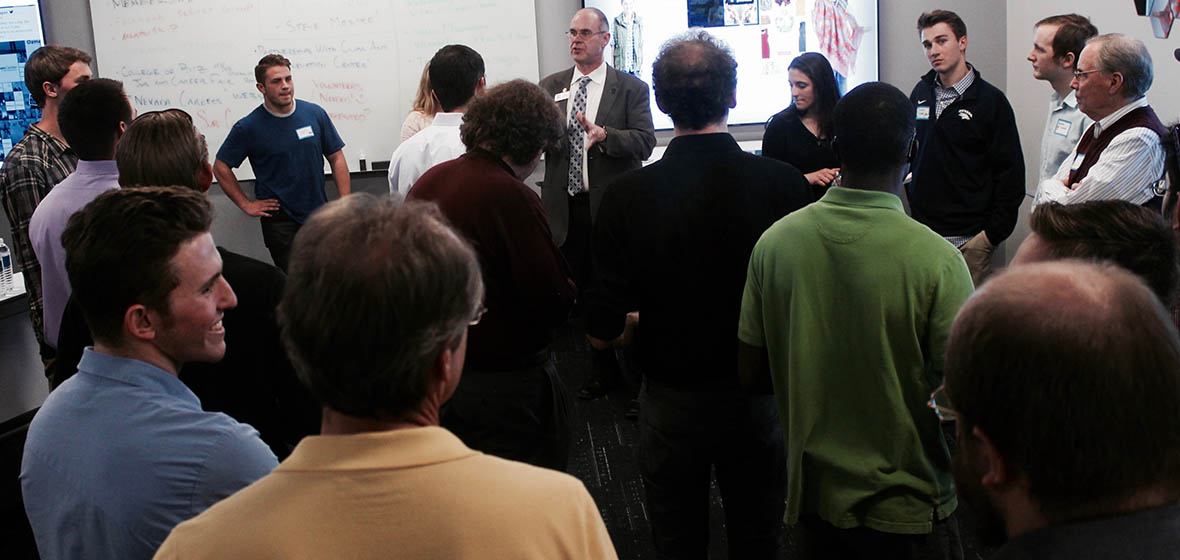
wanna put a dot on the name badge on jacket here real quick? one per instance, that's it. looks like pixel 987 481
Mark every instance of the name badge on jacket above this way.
pixel 1077 162
pixel 305 132
pixel 923 113
pixel 561 97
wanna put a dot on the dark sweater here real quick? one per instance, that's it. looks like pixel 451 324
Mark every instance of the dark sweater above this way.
pixel 969 170
pixel 529 292
pixel 787 139
pixel 1092 147
pixel 673 240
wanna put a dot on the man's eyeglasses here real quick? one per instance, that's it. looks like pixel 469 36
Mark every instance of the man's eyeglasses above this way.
pixel 1077 74
pixel 478 315
pixel 941 403
pixel 584 34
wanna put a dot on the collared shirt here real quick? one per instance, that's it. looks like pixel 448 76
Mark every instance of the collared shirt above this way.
pixel 1064 127
pixel 431 146
pixel 37 163
pixel 593 98
pixel 959 240
pixel 944 96
pixel 122 452
pixel 853 302
pixel 1151 534
pixel 89 180
pixel 411 493
pixel 1126 170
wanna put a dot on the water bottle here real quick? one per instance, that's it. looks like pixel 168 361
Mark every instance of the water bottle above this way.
pixel 5 268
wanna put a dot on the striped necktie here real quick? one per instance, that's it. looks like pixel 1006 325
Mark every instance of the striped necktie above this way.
pixel 577 137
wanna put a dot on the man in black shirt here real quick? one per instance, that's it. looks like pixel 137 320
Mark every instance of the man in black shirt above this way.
pixel 1063 379
pixel 673 240
pixel 968 176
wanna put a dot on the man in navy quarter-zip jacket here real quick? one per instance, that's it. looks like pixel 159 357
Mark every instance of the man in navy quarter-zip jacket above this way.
pixel 968 176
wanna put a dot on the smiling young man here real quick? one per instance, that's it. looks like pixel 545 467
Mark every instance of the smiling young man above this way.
pixel 122 452
pixel 254 383
pixel 1057 42
pixel 968 175
pixel 286 141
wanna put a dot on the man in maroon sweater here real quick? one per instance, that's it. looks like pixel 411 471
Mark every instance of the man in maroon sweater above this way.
pixel 511 402
pixel 1120 157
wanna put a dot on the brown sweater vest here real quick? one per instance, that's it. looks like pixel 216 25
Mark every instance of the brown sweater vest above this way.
pixel 1091 147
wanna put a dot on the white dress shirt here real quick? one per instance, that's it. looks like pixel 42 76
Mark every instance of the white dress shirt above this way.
pixel 431 146
pixel 1128 169
pixel 593 99
pixel 1063 130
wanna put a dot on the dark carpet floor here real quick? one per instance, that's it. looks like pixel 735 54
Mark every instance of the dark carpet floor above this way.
pixel 604 455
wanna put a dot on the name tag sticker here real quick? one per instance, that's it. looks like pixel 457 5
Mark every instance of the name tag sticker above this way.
pixel 305 132
pixel 923 113
pixel 1062 128
pixel 561 97
pixel 1077 162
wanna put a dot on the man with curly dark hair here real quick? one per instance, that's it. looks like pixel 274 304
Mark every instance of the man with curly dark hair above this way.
pixel 673 240
pixel 511 402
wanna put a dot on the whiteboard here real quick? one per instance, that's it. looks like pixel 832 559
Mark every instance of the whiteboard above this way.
pixel 358 59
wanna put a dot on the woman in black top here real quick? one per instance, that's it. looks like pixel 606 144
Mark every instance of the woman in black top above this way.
pixel 801 134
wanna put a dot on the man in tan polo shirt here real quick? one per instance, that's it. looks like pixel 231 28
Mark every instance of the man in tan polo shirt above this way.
pixel 375 316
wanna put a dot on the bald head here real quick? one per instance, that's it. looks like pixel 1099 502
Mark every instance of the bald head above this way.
pixel 589 33
pixel 1064 360
pixel 695 78
pixel 597 14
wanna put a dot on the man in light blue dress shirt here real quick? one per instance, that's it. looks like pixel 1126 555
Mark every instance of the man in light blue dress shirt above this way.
pixel 121 453
pixel 1057 43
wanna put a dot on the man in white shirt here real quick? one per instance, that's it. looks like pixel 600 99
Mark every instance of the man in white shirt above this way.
pixel 456 77
pixel 1057 42
pixel 1120 156
pixel 608 131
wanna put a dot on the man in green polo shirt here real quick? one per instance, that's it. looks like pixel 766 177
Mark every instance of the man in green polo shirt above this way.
pixel 846 311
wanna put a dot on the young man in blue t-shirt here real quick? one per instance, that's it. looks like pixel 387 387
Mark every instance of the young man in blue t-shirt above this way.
pixel 285 141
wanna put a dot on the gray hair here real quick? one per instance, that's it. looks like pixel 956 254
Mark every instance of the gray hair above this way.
pixel 376 289
pixel 1127 56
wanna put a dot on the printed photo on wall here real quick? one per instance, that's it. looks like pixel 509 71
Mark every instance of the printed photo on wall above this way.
pixel 764 35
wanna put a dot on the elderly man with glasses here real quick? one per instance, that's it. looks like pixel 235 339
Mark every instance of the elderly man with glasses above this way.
pixel 1120 156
